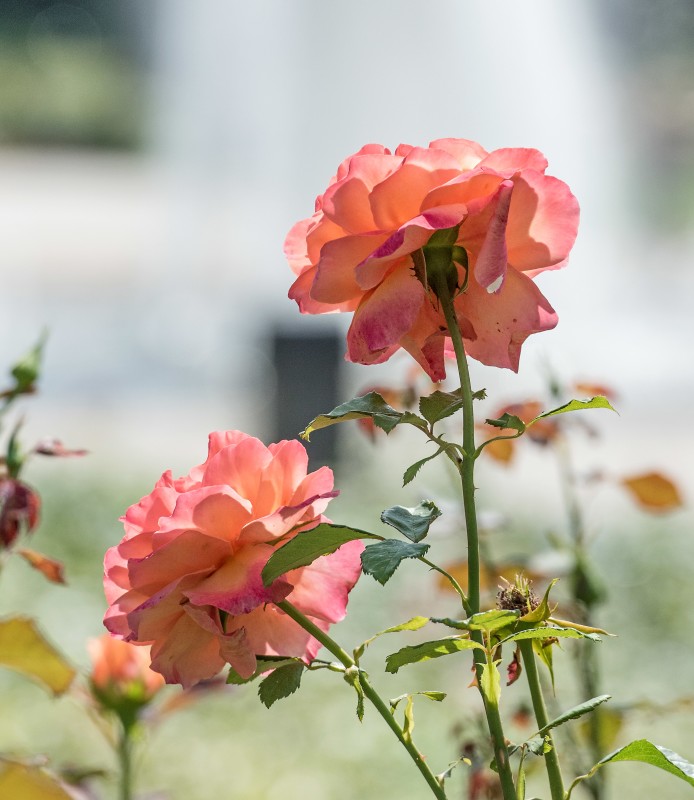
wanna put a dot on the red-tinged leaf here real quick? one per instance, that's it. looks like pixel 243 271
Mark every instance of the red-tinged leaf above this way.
pixel 54 447
pixel 514 669
pixel 50 568
pixel 19 508
pixel 653 491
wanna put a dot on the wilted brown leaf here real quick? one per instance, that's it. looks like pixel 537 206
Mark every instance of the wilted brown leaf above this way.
pixel 19 507
pixel 50 568
pixel 54 447
pixel 514 668
pixel 653 491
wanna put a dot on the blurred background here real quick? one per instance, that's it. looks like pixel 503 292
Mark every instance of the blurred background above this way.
pixel 153 156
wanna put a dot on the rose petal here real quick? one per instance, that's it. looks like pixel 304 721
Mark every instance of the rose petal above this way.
pixel 321 589
pixel 236 586
pixel 188 655
pixel 503 321
pixel 508 160
pixel 384 316
pixel 399 197
pixel 490 265
pixel 543 221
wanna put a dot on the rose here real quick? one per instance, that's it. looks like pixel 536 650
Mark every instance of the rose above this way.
pixel 356 252
pixel 121 670
pixel 186 577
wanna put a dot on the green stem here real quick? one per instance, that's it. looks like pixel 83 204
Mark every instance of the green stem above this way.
pixel 556 784
pixel 587 660
pixel 370 692
pixel 125 764
pixel 466 468
pixel 454 583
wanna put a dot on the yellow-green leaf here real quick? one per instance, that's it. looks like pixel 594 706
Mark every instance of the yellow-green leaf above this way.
pixel 24 649
pixel 29 782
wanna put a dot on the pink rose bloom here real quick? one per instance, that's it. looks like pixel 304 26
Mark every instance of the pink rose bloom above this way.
pixel 355 252
pixel 186 576
pixel 119 668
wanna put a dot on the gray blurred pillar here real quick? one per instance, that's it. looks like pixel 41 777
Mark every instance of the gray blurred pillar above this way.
pixel 307 367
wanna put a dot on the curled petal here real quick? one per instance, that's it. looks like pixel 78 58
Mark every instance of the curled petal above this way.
pixel 236 586
pixel 384 316
pixel 543 222
pixel 490 266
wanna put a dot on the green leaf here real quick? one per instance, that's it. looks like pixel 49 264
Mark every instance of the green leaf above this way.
pixel 408 418
pixel 648 753
pixel 280 683
pixel 370 405
pixel 427 651
pixel 264 664
pixel 489 621
pixel 14 458
pixel 351 676
pixel 360 700
pixel 546 632
pixel 439 405
pixel 24 649
pixel 575 712
pixel 543 611
pixel 412 522
pixel 437 696
pixel 442 777
pixel 539 745
pixel 491 683
pixel 382 559
pixel 408 725
pixel 413 624
pixel 413 469
pixel 545 654
pixel 576 405
pixel 26 370
pixel 508 421
pixel 307 546
pixel 520 782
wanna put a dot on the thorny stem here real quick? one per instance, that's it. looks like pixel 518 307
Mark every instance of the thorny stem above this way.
pixel 334 648
pixel 556 783
pixel 466 467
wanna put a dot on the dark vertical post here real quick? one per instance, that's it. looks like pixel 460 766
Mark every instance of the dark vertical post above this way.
pixel 307 368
